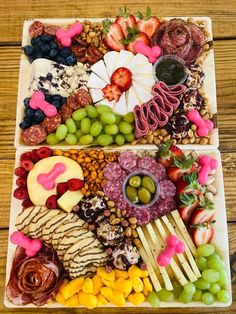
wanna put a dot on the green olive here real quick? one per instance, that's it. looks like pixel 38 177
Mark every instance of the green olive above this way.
pixel 132 194
pixel 149 184
pixel 144 195
pixel 135 181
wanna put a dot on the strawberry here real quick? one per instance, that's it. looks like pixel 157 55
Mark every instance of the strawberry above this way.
pixel 189 184
pixel 148 24
pixel 133 36
pixel 62 188
pixel 114 35
pixel 27 164
pixel 51 202
pixel 44 152
pixel 111 92
pixel 204 214
pixel 34 156
pixel 75 184
pixel 21 193
pixel 166 152
pixel 202 234
pixel 20 172
pixel 176 151
pixel 125 20
pixel 189 203
pixel 21 181
pixel 122 77
pixel 180 167
pixel 27 203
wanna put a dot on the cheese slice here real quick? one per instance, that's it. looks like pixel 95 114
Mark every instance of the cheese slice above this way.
pixel 124 59
pixel 120 106
pixel 99 68
pixel 110 60
pixel 131 99
pixel 96 94
pixel 141 93
pixel 145 69
pixel 138 60
pixel 95 81
pixel 106 102
pixel 146 83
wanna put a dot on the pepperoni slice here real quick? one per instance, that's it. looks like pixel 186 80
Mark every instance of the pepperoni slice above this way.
pixel 167 189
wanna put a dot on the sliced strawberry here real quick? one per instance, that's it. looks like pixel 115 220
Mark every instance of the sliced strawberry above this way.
pixel 189 203
pixel 189 184
pixel 176 151
pixel 166 152
pixel 75 184
pixel 125 19
pixel 148 24
pixel 111 92
pixel 27 164
pixel 133 36
pixel 20 172
pixel 202 234
pixel 180 167
pixel 114 35
pixel 122 77
pixel 62 188
pixel 204 214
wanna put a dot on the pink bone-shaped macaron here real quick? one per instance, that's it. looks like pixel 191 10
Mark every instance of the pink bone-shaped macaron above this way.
pixel 38 101
pixel 47 180
pixel 152 53
pixel 207 164
pixel 31 246
pixel 174 246
pixel 203 126
pixel 65 36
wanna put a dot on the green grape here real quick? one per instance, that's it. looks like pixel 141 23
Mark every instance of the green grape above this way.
pixel 129 117
pixel 213 256
pixel 86 139
pixel 103 108
pixel 223 278
pixel 77 124
pixel 79 114
pixel 208 298
pixel 71 126
pixel 185 297
pixel 197 295
pixel 202 284
pixel 205 250
pixel 201 262
pixel 189 288
pixel 120 140
pixel 108 118
pixel 153 299
pixel 165 295
pixel 223 296
pixel 91 111
pixel 125 127
pixel 214 288
pixel 118 118
pixel 52 139
pixel 61 132
pixel 177 288
pixel 79 133
pixel 129 137
pixel 71 139
pixel 85 125
pixel 105 139
pixel 210 275
pixel 111 129
pixel 216 263
pixel 96 128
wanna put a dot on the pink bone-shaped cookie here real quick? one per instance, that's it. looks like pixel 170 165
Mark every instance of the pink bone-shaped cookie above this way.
pixel 47 180
pixel 152 53
pixel 65 36
pixel 31 246
pixel 207 164
pixel 38 101
pixel 203 126
pixel 174 246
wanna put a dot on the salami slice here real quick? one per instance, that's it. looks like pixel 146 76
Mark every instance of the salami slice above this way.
pixel 167 189
pixel 112 189
pixel 51 123
pixel 121 202
pixel 51 29
pixel 128 160
pixel 112 171
pixel 36 29
pixel 166 206
pixel 160 172
pixel 65 112
pixel 143 216
pixel 154 212
pixel 147 163
pixel 83 97
pixel 34 135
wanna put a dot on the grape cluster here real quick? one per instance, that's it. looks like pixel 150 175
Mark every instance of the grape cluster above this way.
pixel 94 125
pixel 36 116
pixel 45 46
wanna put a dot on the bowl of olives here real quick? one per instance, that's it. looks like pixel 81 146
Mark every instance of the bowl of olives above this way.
pixel 140 189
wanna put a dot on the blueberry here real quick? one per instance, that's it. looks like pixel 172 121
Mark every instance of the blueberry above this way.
pixel 26 123
pixel 38 55
pixel 28 50
pixel 53 53
pixel 46 38
pixel 45 48
pixel 39 116
pixel 65 52
pixel 64 61
pixel 57 104
pixel 57 97
pixel 48 98
pixel 26 102
pixel 53 44
pixel 59 59
pixel 36 41
pixel 29 112
pixel 71 60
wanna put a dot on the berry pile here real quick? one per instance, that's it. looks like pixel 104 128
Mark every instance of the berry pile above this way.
pixel 33 116
pixel 45 46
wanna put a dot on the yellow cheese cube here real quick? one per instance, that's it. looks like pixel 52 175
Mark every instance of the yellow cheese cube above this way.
pixel 69 199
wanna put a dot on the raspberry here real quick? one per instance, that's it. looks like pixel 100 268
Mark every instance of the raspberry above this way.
pixel 21 193
pixel 51 202
pixel 75 184
pixel 34 156
pixel 21 181
pixel 62 188
pixel 27 164
pixel 44 152
pixel 27 203
pixel 20 172
pixel 25 156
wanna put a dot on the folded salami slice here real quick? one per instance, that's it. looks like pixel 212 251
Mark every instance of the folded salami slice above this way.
pixel 154 108
pixel 141 125
pixel 150 117
pixel 163 90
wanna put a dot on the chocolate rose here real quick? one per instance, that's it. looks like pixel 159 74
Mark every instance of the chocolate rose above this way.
pixel 34 279
pixel 180 38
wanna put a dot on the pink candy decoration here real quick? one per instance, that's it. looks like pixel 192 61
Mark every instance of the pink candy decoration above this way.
pixel 38 101
pixel 152 53
pixel 65 36
pixel 47 180
pixel 31 246
pixel 207 164
pixel 203 126
pixel 174 246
